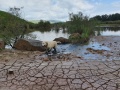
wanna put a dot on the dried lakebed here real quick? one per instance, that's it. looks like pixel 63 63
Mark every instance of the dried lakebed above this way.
pixel 26 70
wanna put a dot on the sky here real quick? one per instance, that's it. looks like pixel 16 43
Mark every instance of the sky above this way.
pixel 60 9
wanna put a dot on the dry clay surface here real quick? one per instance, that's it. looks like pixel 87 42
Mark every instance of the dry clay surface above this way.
pixel 32 70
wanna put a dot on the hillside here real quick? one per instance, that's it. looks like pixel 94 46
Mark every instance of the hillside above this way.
pixel 34 21
pixel 51 21
pixel 6 17
pixel 12 27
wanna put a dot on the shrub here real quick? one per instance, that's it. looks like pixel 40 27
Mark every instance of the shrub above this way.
pixel 81 24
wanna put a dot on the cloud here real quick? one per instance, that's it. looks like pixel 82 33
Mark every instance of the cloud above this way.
pixel 47 9
pixel 105 7
pixel 58 9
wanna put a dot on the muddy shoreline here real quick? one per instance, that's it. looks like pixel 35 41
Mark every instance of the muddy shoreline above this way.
pixel 33 70
pixel 111 42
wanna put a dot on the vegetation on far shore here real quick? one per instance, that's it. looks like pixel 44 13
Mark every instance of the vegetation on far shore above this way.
pixel 108 20
pixel 12 27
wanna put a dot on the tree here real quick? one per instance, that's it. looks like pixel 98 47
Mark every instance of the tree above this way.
pixel 43 25
pixel 14 28
pixel 111 17
pixel 15 11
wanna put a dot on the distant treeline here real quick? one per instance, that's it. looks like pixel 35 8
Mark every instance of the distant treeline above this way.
pixel 111 17
pixel 43 25
pixel 7 18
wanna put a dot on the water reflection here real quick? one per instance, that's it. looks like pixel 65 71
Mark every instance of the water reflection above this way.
pixel 111 28
pixel 49 36
pixel 112 33
pixel 107 31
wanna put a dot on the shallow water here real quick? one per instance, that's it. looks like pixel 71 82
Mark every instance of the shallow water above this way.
pixel 76 49
pixel 81 50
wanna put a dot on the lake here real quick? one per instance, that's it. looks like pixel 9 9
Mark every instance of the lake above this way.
pixel 108 31
pixel 77 49
pixel 49 36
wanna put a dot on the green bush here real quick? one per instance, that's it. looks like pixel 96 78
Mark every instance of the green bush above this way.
pixel 81 24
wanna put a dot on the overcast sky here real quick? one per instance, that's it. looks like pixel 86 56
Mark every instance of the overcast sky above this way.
pixel 59 9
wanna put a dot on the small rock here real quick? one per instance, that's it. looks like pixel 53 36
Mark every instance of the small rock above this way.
pixel 10 71
pixel 46 59
pixel 86 53
pixel 59 57
pixel 103 44
pixel 6 60
pixel 79 57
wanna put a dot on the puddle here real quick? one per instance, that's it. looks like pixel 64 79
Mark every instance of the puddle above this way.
pixel 81 50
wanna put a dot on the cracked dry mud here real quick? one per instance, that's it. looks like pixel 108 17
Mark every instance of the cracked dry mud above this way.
pixel 25 70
